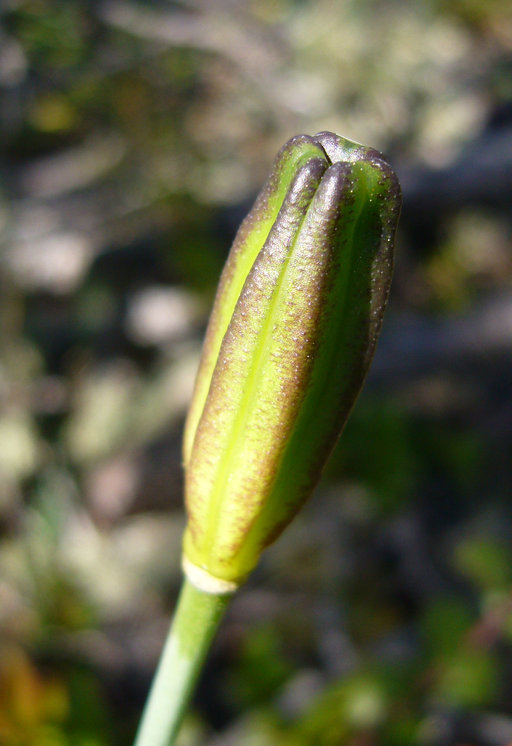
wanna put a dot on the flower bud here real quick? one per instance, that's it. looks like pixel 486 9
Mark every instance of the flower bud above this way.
pixel 292 333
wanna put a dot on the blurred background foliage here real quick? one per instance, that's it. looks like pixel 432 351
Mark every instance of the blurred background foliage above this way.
pixel 134 136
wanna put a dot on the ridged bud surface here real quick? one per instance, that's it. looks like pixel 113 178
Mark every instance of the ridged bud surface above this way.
pixel 290 339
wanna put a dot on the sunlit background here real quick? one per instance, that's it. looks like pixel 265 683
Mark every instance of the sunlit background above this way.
pixel 134 136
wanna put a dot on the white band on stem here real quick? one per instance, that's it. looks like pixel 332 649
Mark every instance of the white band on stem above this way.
pixel 205 582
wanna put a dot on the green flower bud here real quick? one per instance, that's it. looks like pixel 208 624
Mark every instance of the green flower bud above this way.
pixel 292 333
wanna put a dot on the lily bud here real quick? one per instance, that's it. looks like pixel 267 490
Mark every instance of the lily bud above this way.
pixel 289 342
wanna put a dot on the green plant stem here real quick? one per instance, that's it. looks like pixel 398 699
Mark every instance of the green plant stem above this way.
pixel 194 625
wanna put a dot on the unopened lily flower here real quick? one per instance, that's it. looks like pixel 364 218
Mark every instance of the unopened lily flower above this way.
pixel 292 333
pixel 290 339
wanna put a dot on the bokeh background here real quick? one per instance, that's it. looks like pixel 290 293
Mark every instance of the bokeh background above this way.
pixel 134 136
